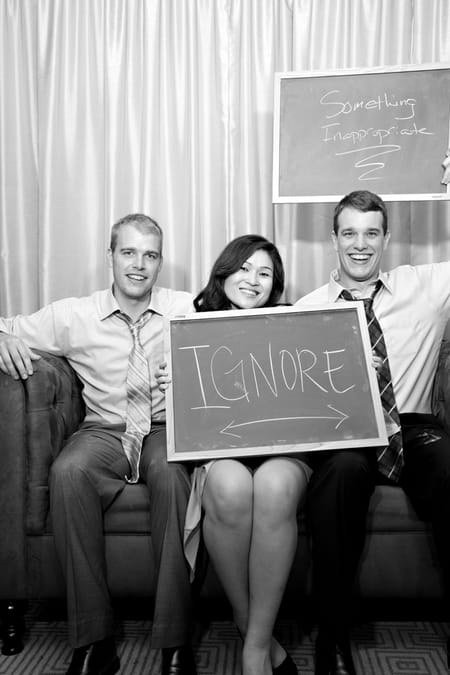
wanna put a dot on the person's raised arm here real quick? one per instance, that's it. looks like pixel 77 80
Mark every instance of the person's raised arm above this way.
pixel 16 358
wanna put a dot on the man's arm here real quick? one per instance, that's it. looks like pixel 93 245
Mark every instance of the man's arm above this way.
pixel 16 358
pixel 20 334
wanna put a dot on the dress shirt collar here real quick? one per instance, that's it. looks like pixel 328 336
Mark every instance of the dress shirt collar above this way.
pixel 335 287
pixel 108 305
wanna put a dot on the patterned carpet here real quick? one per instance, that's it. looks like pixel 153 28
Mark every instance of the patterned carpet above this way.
pixel 380 648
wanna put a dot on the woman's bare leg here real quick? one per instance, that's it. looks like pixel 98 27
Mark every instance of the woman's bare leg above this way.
pixel 227 528
pixel 279 487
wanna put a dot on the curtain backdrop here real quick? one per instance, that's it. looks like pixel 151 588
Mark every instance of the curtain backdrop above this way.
pixel 108 107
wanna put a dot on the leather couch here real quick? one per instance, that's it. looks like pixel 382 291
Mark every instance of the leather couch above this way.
pixel 38 414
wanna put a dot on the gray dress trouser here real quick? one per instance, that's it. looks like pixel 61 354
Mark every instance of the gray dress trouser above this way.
pixel 85 479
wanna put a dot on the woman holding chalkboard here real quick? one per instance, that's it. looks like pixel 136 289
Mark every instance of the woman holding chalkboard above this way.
pixel 247 509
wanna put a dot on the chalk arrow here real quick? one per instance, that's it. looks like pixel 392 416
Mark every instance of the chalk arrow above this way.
pixel 340 416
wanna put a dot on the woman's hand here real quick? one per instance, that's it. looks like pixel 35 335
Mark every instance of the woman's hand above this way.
pixel 162 376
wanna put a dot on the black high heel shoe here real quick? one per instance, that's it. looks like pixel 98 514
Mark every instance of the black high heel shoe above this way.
pixel 286 667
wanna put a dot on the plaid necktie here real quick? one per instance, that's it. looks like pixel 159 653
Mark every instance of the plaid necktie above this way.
pixel 139 402
pixel 390 458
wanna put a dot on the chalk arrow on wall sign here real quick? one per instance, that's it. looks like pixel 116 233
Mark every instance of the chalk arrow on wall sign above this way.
pixel 340 417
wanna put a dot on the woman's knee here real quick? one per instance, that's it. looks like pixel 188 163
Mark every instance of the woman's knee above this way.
pixel 228 493
pixel 279 489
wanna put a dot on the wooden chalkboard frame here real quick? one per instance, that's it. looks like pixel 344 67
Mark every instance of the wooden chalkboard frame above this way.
pixel 314 156
pixel 187 336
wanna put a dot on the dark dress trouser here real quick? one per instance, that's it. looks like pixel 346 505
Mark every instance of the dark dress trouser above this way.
pixel 338 498
pixel 85 479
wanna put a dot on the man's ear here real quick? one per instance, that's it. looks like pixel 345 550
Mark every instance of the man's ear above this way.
pixel 387 238
pixel 109 257
pixel 334 239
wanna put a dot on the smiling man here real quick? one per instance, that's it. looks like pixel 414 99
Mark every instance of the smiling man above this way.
pixel 407 310
pixel 111 338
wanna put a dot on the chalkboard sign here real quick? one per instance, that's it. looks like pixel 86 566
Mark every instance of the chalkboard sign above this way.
pixel 384 130
pixel 278 381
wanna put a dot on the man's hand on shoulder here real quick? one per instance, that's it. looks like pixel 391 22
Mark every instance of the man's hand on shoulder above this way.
pixel 16 358
pixel 162 377
pixel 446 164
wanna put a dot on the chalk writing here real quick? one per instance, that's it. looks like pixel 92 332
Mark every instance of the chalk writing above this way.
pixel 403 109
pixel 289 369
pixel 385 100
pixel 380 135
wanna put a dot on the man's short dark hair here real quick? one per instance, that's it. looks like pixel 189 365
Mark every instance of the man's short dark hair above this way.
pixel 361 200
pixel 139 220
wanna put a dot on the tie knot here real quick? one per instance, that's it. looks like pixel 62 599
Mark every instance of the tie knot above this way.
pixel 135 328
pixel 346 295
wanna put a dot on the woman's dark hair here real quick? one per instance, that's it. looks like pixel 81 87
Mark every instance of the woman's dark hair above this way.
pixel 213 298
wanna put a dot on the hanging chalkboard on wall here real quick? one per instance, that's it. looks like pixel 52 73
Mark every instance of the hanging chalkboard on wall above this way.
pixel 278 381
pixel 384 130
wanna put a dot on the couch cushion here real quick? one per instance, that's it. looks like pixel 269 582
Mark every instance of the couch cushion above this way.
pixel 389 511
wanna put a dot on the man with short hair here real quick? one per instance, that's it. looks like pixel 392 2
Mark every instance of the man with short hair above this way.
pixel 411 306
pixel 114 341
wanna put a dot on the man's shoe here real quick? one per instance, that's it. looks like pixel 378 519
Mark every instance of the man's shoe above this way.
pixel 178 661
pixel 344 659
pixel 333 657
pixel 98 658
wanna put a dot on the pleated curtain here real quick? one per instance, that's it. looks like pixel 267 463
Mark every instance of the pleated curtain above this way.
pixel 109 107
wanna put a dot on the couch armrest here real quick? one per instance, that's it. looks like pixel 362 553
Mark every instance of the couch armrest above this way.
pixel 440 399
pixel 36 416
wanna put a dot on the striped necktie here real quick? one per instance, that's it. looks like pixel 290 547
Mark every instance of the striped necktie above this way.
pixel 139 402
pixel 390 458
